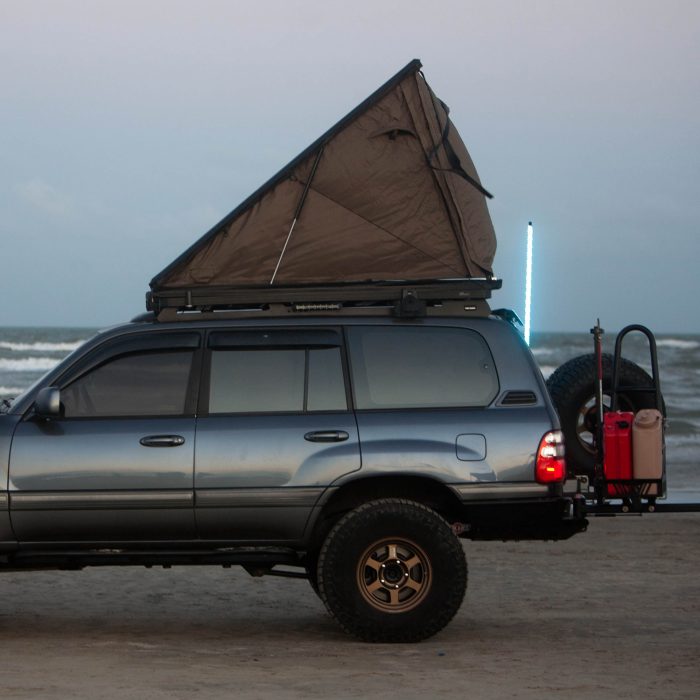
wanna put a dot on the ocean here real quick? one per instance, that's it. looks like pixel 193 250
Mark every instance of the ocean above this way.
pixel 27 353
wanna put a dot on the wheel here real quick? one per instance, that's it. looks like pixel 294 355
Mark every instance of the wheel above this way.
pixel 392 571
pixel 572 388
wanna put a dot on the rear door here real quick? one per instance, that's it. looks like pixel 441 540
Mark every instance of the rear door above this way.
pixel 274 430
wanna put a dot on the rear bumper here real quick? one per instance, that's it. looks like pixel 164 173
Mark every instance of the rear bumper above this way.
pixel 552 518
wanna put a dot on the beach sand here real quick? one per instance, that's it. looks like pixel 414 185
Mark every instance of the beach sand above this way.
pixel 612 613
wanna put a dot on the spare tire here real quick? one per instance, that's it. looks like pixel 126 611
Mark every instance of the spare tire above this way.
pixel 572 388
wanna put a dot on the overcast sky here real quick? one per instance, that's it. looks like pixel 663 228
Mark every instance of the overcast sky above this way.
pixel 127 129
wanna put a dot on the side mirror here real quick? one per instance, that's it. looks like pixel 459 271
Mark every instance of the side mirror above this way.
pixel 48 402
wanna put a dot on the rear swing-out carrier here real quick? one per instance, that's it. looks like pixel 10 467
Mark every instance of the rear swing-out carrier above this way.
pixel 630 451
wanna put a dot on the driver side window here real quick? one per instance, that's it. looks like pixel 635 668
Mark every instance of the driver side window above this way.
pixel 136 384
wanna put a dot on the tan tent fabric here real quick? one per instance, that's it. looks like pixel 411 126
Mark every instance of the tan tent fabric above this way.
pixel 389 193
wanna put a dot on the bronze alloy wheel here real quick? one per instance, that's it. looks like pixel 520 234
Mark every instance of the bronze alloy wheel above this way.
pixel 394 575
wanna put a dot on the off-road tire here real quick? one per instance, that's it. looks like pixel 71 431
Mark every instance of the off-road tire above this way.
pixel 392 571
pixel 572 388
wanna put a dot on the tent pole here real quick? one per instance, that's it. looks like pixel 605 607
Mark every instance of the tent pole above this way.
pixel 297 213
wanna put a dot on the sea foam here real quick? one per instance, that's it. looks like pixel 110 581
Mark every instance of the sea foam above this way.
pixel 10 391
pixel 28 364
pixel 40 347
pixel 678 343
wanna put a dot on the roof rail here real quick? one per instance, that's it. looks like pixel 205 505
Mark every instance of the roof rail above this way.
pixel 403 298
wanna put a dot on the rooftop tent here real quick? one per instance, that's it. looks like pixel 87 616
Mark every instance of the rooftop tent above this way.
pixel 388 193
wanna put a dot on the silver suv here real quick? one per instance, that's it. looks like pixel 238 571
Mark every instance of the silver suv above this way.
pixel 352 447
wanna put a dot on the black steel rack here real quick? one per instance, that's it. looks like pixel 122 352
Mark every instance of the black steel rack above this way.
pixel 629 496
pixel 400 298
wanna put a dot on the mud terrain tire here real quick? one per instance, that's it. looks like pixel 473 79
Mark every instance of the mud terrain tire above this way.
pixel 392 571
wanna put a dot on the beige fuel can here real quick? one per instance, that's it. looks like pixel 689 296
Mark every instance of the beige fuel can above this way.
pixel 648 446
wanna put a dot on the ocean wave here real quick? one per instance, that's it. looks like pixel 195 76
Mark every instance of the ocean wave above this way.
pixel 543 351
pixel 547 370
pixel 40 347
pixel 680 428
pixel 678 343
pixel 10 391
pixel 28 364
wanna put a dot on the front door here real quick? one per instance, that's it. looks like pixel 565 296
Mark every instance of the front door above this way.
pixel 118 464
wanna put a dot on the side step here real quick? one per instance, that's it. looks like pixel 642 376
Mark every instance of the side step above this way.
pixel 259 559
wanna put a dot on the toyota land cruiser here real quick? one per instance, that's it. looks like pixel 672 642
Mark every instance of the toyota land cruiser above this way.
pixel 353 445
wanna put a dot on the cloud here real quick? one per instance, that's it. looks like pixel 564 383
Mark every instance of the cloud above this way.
pixel 44 197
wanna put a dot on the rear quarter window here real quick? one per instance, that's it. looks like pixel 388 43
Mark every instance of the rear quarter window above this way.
pixel 420 367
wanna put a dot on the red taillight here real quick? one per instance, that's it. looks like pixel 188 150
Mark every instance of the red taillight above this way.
pixel 550 466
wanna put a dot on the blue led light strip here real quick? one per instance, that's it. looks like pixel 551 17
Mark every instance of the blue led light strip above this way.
pixel 528 282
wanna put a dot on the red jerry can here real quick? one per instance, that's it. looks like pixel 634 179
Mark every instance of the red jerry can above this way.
pixel 617 449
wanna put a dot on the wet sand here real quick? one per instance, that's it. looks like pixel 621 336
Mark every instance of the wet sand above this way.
pixel 612 613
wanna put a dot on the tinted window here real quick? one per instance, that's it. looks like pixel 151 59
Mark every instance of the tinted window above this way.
pixel 276 381
pixel 252 381
pixel 326 385
pixel 139 384
pixel 395 367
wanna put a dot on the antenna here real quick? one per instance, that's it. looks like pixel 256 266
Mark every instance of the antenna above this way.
pixel 528 282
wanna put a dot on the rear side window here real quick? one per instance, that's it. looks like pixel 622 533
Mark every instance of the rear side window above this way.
pixel 326 388
pixel 137 384
pixel 281 380
pixel 250 381
pixel 419 367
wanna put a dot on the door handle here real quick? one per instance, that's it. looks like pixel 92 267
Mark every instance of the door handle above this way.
pixel 162 440
pixel 326 436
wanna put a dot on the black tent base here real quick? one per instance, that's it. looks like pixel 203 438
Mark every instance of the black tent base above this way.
pixel 404 298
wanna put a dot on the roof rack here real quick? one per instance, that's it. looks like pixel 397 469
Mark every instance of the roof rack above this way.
pixel 401 298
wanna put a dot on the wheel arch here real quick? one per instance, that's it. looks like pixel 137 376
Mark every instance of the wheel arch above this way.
pixel 425 490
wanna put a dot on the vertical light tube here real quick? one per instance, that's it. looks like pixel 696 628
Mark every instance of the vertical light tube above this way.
pixel 528 282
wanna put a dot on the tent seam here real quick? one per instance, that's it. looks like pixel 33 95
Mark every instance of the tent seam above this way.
pixel 384 230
